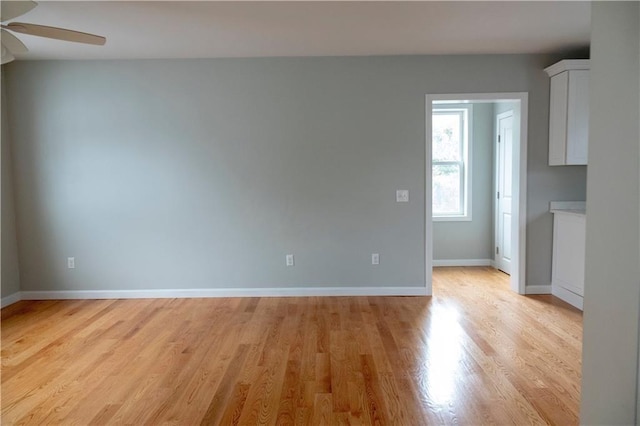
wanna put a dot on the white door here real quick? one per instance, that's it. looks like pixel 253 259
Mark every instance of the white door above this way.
pixel 504 191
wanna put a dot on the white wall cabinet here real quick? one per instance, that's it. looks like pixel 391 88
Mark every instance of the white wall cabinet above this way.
pixel 569 112
pixel 567 274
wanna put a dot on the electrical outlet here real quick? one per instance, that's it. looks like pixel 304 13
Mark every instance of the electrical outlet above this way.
pixel 375 259
pixel 71 262
pixel 402 196
pixel 289 260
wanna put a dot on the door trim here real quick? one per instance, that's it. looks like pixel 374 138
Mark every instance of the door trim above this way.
pixel 519 226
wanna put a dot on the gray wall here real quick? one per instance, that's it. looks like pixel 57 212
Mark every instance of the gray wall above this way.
pixel 612 280
pixel 205 173
pixel 9 271
pixel 473 239
pixel 500 107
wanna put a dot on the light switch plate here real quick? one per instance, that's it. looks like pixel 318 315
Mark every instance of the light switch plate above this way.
pixel 402 196
pixel 375 259
pixel 289 260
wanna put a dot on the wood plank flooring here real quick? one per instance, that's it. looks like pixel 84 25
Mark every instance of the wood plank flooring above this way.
pixel 474 353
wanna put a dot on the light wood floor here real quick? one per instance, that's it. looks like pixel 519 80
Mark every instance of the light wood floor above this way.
pixel 475 353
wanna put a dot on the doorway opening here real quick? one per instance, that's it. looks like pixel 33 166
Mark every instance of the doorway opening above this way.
pixel 457 190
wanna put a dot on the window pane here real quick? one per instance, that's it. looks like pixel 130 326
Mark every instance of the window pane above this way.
pixel 446 136
pixel 446 189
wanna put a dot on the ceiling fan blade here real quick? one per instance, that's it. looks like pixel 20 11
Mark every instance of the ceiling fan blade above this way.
pixel 12 43
pixel 57 33
pixel 6 55
pixel 11 9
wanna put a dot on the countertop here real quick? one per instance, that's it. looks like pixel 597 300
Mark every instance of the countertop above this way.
pixel 577 208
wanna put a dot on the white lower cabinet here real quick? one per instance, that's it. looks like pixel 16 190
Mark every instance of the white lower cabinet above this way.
pixel 567 274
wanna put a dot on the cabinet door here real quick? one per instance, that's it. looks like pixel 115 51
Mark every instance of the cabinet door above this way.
pixel 569 252
pixel 558 95
pixel 578 117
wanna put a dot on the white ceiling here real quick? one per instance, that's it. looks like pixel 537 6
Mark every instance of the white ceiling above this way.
pixel 178 29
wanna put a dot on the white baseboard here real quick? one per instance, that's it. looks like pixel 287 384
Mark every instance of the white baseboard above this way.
pixel 568 296
pixel 224 292
pixel 462 262
pixel 11 299
pixel 537 289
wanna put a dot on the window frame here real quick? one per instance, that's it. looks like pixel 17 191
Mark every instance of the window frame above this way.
pixel 466 112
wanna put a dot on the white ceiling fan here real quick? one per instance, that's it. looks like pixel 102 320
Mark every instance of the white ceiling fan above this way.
pixel 11 44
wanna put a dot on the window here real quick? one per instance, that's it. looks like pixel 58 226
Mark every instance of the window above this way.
pixel 451 167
